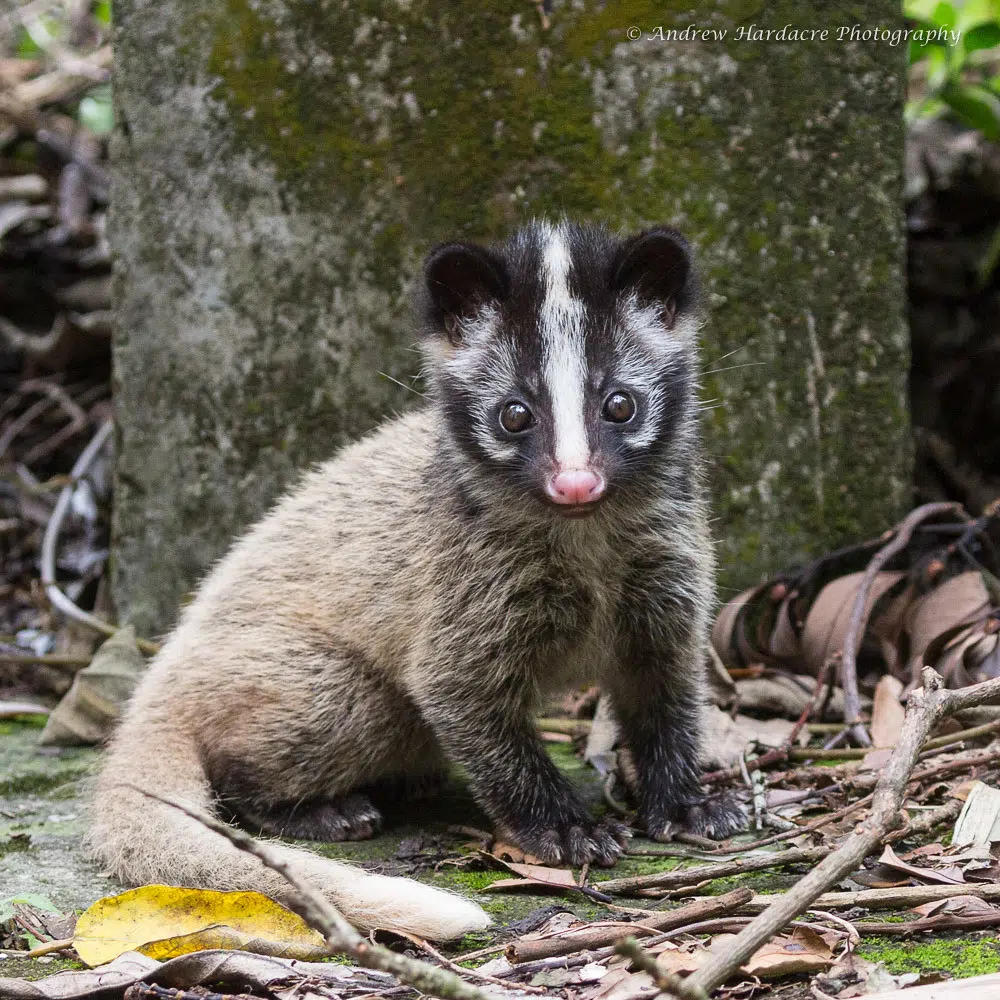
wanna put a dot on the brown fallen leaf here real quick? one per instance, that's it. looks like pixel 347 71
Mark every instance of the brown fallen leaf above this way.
pixel 620 983
pixel 826 624
pixel 539 876
pixel 960 600
pixel 726 738
pixel 511 852
pixel 683 963
pixel 956 906
pixel 880 877
pixel 91 707
pixel 784 695
pixel 802 951
pixel 891 860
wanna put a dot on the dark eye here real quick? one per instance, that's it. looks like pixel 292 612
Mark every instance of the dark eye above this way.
pixel 515 417
pixel 619 408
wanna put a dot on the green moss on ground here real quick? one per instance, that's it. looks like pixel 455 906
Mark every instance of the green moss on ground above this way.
pixel 35 968
pixel 960 958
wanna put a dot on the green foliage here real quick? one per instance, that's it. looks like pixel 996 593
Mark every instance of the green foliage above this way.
pixel 959 69
pixel 27 899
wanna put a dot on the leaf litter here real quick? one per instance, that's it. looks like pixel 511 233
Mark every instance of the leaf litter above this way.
pixel 779 734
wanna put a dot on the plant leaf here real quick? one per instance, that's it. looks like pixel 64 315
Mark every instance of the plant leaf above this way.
pixel 165 921
pixel 976 106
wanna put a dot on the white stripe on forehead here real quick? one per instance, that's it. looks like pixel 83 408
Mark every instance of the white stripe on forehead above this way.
pixel 565 362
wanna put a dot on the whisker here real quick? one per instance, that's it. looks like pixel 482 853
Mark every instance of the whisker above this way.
pixel 403 385
pixel 729 368
pixel 735 350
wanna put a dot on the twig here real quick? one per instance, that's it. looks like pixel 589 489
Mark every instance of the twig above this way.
pixel 969 760
pixel 152 991
pixel 48 947
pixel 319 913
pixel 591 937
pixel 901 898
pixel 855 627
pixel 681 877
pixel 966 734
pixel 460 970
pixel 571 727
pixel 926 706
pixel 799 830
pixel 12 709
pixel 928 820
pixel 51 537
pixel 666 981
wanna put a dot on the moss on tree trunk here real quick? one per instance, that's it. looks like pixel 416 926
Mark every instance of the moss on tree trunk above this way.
pixel 283 166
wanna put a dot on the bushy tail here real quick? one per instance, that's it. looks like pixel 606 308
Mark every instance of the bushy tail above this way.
pixel 143 841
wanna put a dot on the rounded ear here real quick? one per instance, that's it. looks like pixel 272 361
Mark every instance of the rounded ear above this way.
pixel 460 279
pixel 656 265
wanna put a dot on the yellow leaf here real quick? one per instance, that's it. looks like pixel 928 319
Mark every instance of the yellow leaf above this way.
pixel 164 921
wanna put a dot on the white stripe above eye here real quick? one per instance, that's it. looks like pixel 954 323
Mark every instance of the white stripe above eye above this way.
pixel 565 365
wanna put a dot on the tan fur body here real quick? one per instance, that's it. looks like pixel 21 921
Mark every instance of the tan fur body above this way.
pixel 412 603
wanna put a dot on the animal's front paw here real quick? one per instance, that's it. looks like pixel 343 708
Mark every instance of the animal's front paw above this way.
pixel 717 816
pixel 577 843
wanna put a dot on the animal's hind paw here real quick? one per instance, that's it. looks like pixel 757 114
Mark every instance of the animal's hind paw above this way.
pixel 344 817
pixel 716 816
pixel 584 842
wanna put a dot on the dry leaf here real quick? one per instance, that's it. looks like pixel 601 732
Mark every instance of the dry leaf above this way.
pixel 620 983
pixel 725 625
pixel 803 951
pixel 539 876
pixel 956 906
pixel 957 601
pixel 891 860
pixel 826 624
pixel 599 752
pixel 91 707
pixel 784 695
pixel 726 738
pixel 979 821
pixel 244 971
pixel 682 963
pixel 164 921
pixel 887 712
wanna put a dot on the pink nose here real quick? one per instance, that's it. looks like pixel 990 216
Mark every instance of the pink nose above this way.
pixel 577 486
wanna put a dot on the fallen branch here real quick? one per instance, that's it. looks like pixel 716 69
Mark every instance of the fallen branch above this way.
pixel 320 914
pixel 966 761
pixel 926 707
pixel 900 898
pixel 680 877
pixel 590 937
pixel 855 626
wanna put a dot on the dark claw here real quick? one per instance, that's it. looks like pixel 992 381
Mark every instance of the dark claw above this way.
pixel 586 842
pixel 716 816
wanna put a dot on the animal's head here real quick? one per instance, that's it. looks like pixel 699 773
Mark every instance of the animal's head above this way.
pixel 564 360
